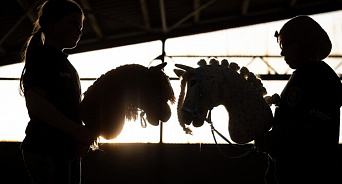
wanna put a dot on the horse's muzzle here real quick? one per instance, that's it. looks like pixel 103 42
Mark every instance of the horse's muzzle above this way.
pixel 189 116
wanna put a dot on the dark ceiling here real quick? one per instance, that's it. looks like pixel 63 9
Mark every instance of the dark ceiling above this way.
pixel 112 23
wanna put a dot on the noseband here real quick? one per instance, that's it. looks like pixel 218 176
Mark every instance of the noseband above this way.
pixel 195 110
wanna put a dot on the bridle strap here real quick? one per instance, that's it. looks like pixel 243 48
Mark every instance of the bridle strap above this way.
pixel 195 110
pixel 237 146
pixel 197 90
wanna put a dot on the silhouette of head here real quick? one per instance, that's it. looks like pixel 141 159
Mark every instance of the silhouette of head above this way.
pixel 308 34
pixel 61 21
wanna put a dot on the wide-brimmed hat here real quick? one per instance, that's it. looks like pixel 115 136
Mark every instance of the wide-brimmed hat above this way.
pixel 307 33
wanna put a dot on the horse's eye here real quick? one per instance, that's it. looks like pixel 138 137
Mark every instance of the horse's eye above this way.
pixel 193 82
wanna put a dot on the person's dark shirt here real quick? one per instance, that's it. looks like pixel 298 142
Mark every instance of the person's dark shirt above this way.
pixel 309 109
pixel 306 125
pixel 51 70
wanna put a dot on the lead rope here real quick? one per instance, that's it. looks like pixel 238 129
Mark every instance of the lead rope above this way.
pixel 213 130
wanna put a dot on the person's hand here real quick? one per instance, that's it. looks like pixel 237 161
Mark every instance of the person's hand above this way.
pixel 85 136
pixel 82 150
pixel 260 144
pixel 265 145
pixel 85 139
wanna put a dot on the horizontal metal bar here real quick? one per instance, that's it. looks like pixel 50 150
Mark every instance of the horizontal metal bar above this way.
pixel 274 77
pixel 252 56
pixel 10 78
pixel 6 78
pixel 261 76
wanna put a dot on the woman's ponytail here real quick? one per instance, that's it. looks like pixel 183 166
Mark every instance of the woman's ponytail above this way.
pixel 33 43
pixel 30 49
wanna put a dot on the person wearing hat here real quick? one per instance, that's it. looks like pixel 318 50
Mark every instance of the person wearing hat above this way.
pixel 303 142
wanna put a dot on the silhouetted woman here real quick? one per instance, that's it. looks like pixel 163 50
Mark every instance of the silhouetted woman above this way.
pixel 304 140
pixel 55 138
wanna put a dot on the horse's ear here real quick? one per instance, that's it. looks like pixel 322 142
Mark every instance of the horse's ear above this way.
pixel 178 72
pixel 184 67
pixel 159 67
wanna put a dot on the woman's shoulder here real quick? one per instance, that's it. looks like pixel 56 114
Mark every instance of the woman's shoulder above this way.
pixel 325 71
pixel 318 69
pixel 316 75
pixel 42 61
pixel 45 55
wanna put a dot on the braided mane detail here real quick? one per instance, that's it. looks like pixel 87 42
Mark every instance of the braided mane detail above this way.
pixel 251 78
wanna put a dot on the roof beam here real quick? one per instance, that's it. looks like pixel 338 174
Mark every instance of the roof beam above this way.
pixel 144 12
pixel 163 15
pixel 26 6
pixel 197 4
pixel 292 3
pixel 245 7
pixel 10 31
pixel 191 15
pixel 92 19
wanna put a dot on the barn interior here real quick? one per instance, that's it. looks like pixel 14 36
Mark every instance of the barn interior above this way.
pixel 115 23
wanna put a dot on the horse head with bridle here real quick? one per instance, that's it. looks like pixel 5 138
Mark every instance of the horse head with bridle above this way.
pixel 121 93
pixel 239 90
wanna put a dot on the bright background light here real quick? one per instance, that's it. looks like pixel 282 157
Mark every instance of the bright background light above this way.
pixel 250 40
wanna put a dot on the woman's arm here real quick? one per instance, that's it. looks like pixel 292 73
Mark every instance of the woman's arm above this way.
pixel 38 105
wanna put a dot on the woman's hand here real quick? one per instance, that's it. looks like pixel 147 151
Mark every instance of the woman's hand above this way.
pixel 265 144
pixel 82 150
pixel 38 105
pixel 260 144
pixel 85 136
pixel 85 139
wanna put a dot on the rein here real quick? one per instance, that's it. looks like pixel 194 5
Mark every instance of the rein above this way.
pixel 142 119
pixel 195 113
pixel 142 112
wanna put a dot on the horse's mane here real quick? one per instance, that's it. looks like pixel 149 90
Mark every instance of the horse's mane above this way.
pixel 250 77
pixel 116 74
pixel 130 76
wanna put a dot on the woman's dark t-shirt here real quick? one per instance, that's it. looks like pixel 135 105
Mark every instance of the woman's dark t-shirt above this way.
pixel 51 70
